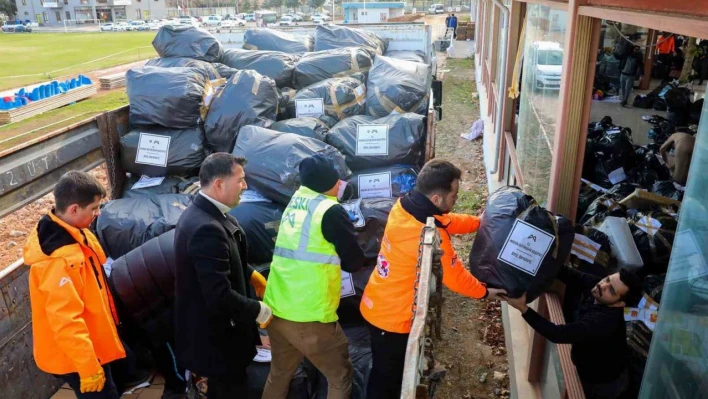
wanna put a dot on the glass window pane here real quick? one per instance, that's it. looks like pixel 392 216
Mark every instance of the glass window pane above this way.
pixel 541 76
pixel 678 360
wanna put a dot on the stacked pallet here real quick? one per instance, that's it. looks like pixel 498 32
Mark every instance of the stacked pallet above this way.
pixel 110 82
pixel 465 31
pixel 48 104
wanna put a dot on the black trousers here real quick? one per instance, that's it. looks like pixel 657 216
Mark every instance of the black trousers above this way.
pixel 233 386
pixel 109 390
pixel 388 352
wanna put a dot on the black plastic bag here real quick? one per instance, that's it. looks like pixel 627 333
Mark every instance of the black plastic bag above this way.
pixel 653 232
pixel 642 175
pixel 274 159
pixel 276 65
pixel 187 41
pixel 318 66
pixel 306 127
pixel 275 40
pixel 397 85
pixel 622 190
pixel 385 182
pixel 184 62
pixel 127 223
pixel 329 36
pixel 248 98
pixel 258 375
pixel 407 55
pixel 224 71
pixel 586 197
pixel 667 189
pixel 169 97
pixel 349 99
pixel 653 285
pixel 513 228
pixel 618 147
pixel 260 221
pixel 184 156
pixel 375 212
pixel 604 206
pixel 393 139
pixel 602 263
pixel 170 185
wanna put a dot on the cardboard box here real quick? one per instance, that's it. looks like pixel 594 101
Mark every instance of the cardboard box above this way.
pixel 644 200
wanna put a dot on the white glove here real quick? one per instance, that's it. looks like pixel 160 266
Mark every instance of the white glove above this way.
pixel 264 316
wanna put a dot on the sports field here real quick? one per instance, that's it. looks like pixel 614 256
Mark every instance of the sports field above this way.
pixel 61 54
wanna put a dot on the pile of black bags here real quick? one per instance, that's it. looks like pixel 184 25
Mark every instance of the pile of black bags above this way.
pixel 187 41
pixel 397 86
pixel 274 40
pixel 184 155
pixel 339 62
pixel 276 65
pixel 341 98
pixel 330 36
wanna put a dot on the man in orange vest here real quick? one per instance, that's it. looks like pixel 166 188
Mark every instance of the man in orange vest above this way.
pixel 73 316
pixel 388 297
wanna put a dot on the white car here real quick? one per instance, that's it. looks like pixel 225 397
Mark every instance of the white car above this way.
pixel 286 20
pixel 231 23
pixel 212 20
pixel 436 9
pixel 249 17
pixel 297 17
pixel 187 20
pixel 107 27
pixel 155 24
pixel 121 27
pixel 320 18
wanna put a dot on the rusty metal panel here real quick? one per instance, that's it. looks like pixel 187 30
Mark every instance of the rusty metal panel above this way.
pixel 17 291
pixel 112 125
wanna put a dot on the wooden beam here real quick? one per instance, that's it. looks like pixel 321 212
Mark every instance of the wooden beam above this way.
pixel 556 5
pixel 514 158
pixel 689 26
pixel 685 7
pixel 648 59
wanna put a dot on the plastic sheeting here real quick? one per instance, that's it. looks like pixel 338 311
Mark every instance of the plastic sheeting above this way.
pixel 184 62
pixel 274 160
pixel 276 65
pixel 369 142
pixel 158 152
pixel 328 36
pixel 248 98
pixel 169 97
pixel 260 221
pixel 274 40
pixel 127 223
pixel 602 207
pixel 318 66
pixel 187 41
pixel 225 71
pixel 385 182
pixel 397 86
pixel 407 55
pixel 340 98
pixel 653 232
pixel 519 245
pixel 306 127
pixel 170 185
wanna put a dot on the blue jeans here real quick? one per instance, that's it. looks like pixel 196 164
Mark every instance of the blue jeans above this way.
pixel 626 84
pixel 109 389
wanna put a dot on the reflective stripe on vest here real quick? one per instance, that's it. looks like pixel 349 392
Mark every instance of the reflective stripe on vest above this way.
pixel 304 283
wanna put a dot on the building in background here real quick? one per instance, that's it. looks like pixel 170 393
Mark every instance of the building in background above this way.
pixel 357 13
pixel 56 12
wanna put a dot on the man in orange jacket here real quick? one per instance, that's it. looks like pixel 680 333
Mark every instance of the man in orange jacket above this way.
pixel 73 316
pixel 388 297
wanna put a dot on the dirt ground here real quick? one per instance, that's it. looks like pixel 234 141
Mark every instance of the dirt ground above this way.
pixel 472 348
pixel 15 227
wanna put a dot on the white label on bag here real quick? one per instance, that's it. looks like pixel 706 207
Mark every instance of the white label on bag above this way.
pixel 353 208
pixel 253 196
pixel 594 186
pixel 146 181
pixel 375 185
pixel 525 247
pixel 585 248
pixel 313 107
pixel 359 91
pixel 372 140
pixel 649 225
pixel 661 159
pixel 347 285
pixel 153 149
pixel 617 176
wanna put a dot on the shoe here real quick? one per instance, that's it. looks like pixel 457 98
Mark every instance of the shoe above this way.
pixel 623 104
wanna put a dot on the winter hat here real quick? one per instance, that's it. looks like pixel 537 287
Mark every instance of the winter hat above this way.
pixel 318 173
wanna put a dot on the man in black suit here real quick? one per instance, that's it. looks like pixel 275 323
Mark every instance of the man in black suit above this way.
pixel 215 319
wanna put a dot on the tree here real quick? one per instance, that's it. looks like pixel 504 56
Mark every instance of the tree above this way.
pixel 8 7
pixel 275 3
pixel 247 6
pixel 691 51
pixel 292 4
pixel 316 3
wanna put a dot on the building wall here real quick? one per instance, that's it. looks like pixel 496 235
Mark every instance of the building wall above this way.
pixel 40 11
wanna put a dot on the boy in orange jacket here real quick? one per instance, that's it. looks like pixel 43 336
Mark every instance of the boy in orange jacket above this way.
pixel 73 316
pixel 388 297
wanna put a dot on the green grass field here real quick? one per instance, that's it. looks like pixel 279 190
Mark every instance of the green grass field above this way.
pixel 39 53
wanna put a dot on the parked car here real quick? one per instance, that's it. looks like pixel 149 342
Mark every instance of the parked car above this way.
pixel 233 22
pixel 139 25
pixel 212 20
pixel 187 20
pixel 10 28
pixel 107 27
pixel 298 17
pixel 122 27
pixel 249 17
pixel 436 9
pixel 155 24
pixel 320 18
pixel 546 59
pixel 286 20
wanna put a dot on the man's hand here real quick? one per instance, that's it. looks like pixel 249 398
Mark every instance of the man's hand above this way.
pixel 259 283
pixel 264 316
pixel 496 294
pixel 518 303
pixel 93 383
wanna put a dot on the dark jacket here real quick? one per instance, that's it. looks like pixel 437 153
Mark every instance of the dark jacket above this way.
pixel 598 335
pixel 215 327
pixel 631 64
pixel 339 230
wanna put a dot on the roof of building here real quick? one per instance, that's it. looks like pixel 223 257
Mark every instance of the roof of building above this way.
pixel 383 4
